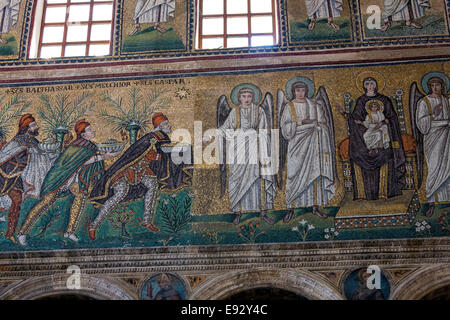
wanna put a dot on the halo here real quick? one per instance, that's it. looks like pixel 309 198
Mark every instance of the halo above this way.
pixel 306 80
pixel 378 102
pixel 257 95
pixel 372 74
pixel 429 75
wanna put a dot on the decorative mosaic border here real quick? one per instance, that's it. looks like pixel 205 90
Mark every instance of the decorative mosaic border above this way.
pixel 206 259
pixel 119 38
pixel 383 41
pixel 309 45
pixel 387 220
pixel 358 43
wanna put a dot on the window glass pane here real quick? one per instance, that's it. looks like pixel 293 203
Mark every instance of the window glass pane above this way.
pixel 50 51
pixel 79 13
pixel 75 1
pixel 237 6
pixel 56 1
pixel 262 41
pixel 77 33
pixel 212 26
pixel 236 42
pixel 212 43
pixel 102 0
pixel 75 50
pixel 259 6
pixel 261 24
pixel 100 32
pixel 212 7
pixel 102 12
pixel 99 49
pixel 237 25
pixel 55 14
pixel 53 34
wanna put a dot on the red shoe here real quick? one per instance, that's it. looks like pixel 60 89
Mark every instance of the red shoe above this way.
pixel 92 234
pixel 151 227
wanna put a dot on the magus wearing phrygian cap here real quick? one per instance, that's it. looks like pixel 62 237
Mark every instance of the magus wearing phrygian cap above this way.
pixel 18 179
pixel 139 172
pixel 76 170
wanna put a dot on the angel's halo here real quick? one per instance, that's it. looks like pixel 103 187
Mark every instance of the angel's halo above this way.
pixel 429 75
pixel 381 81
pixel 257 95
pixel 305 80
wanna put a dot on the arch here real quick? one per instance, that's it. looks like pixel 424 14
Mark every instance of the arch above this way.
pixel 301 282
pixel 443 293
pixel 344 277
pixel 421 282
pixel 93 287
pixel 267 294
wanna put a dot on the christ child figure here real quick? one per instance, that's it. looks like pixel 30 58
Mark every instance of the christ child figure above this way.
pixel 377 135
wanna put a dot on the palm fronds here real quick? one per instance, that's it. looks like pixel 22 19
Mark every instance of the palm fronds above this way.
pixel 138 110
pixel 11 110
pixel 62 113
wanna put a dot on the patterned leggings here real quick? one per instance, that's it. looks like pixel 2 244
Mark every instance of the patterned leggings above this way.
pixel 120 191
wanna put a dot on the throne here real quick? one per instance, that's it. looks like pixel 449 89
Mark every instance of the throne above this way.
pixel 400 211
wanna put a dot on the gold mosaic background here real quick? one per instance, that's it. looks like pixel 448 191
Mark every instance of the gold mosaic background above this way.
pixel 195 99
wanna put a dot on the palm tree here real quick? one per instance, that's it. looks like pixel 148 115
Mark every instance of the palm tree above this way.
pixel 137 114
pixel 61 114
pixel 9 111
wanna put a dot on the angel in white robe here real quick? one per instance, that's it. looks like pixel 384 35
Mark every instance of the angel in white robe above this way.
pixel 246 131
pixel 432 120
pixel 323 9
pixel 307 127
pixel 9 14
pixel 404 10
pixel 152 11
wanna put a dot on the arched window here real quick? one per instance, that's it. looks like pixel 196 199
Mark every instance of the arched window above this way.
pixel 69 28
pixel 236 23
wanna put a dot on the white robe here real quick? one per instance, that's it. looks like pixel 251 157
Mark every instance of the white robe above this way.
pixel 151 11
pixel 34 173
pixel 9 14
pixel 310 173
pixel 436 142
pixel 245 173
pixel 398 9
pixel 317 9
pixel 376 138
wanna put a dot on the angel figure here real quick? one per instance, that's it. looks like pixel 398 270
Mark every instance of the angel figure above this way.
pixel 245 129
pixel 430 116
pixel 306 146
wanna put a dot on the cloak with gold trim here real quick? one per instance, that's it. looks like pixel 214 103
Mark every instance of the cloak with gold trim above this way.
pixel 14 158
pixel 70 162
pixel 143 158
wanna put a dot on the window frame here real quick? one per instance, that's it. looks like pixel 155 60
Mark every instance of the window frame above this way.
pixel 38 30
pixel 225 35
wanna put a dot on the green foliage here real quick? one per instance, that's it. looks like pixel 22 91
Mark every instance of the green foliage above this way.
pixel 322 31
pixel 250 231
pixel 150 39
pixel 303 229
pixel 11 110
pixel 432 25
pixel 120 217
pixel 61 113
pixel 137 112
pixel 10 48
pixel 444 221
pixel 175 217
pixel 48 220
